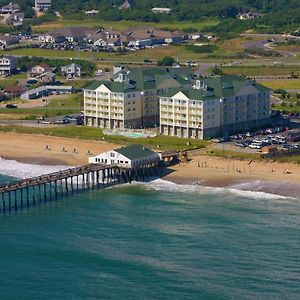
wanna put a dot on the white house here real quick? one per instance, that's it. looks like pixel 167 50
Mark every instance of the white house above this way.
pixel 8 65
pixel 161 10
pixel 42 5
pixel 131 156
pixel 71 71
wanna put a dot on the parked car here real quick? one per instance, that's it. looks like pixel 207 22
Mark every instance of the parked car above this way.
pixel 70 119
pixel 46 122
pixel 240 144
pixel 255 146
pixel 233 137
pixel 11 106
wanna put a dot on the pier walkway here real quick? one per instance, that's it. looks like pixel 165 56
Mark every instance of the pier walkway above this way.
pixel 42 189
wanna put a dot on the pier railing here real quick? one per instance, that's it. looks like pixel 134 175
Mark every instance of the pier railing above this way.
pixel 50 187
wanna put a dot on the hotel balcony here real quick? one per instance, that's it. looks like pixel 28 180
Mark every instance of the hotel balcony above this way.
pixel 195 112
pixel 181 124
pixel 90 114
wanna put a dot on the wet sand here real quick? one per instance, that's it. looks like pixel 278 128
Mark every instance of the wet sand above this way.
pixel 272 177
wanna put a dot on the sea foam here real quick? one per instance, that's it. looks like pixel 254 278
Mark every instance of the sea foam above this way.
pixel 22 170
pixel 164 185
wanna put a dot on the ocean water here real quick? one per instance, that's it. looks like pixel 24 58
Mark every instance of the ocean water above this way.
pixel 154 240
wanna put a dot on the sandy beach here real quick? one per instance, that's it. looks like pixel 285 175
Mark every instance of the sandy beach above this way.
pixel 273 177
pixel 202 170
pixel 48 150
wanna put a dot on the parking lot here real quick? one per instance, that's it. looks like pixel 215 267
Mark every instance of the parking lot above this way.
pixel 254 142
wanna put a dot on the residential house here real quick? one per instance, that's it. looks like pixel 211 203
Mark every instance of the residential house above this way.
pixel 40 69
pixel 92 12
pixel 130 100
pixel 6 40
pixel 249 16
pixel 133 156
pixel 52 37
pixel 105 39
pixel 10 8
pixel 142 36
pixel 42 5
pixel 47 78
pixel 70 34
pixel 71 71
pixel 126 5
pixel 42 91
pixel 161 10
pixel 8 65
pixel 14 90
pixel 15 19
pixel 214 107
pixel 195 36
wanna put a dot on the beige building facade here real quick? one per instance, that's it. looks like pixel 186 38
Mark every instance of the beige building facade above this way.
pixel 214 107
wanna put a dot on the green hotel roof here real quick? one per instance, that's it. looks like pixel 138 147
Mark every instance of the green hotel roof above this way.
pixel 220 87
pixel 117 87
pixel 142 79
pixel 135 151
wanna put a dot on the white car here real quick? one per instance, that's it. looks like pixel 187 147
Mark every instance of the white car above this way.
pixel 46 122
pixel 256 141
pixel 255 146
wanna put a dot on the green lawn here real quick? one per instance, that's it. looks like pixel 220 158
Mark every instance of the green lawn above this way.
pixel 121 25
pixel 33 113
pixel 261 70
pixel 282 84
pixel 287 108
pixel 90 133
pixel 52 53
pixel 65 102
pixel 7 82
pixel 135 56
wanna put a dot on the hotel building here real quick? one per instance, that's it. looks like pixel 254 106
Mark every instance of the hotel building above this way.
pixel 130 99
pixel 214 107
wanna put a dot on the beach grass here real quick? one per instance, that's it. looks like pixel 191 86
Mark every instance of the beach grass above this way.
pixel 233 154
pixel 89 133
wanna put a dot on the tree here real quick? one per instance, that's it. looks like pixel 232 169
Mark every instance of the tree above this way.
pixel 166 61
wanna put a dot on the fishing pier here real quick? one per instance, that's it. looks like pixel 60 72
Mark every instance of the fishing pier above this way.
pixel 42 189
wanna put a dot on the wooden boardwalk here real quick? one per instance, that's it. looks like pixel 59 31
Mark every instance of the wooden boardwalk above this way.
pixel 50 187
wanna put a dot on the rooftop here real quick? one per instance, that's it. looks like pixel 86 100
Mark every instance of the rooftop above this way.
pixel 135 151
pixel 219 87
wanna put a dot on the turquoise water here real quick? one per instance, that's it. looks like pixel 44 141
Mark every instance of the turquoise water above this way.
pixel 153 242
pixel 132 134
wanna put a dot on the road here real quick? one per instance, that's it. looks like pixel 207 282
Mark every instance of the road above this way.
pixel 264 43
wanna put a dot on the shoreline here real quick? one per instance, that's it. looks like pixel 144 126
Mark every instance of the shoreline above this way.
pixel 281 179
pixel 263 176
pixel 252 183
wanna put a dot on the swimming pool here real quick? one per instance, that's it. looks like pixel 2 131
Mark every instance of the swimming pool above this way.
pixel 132 134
